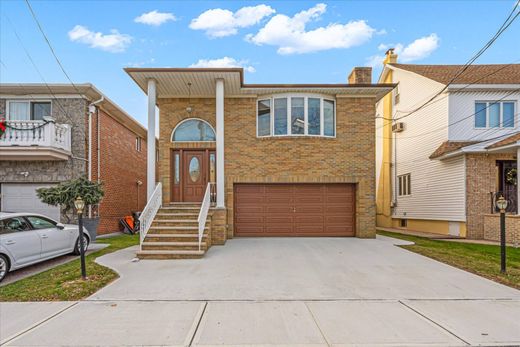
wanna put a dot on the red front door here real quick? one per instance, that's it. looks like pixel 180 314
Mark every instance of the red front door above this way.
pixel 192 170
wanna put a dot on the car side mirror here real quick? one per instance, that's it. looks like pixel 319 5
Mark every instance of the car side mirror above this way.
pixel 60 226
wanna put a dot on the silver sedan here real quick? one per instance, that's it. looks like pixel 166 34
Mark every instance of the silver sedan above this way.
pixel 28 238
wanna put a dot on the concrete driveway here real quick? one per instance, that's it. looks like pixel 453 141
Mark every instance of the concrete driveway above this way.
pixel 279 291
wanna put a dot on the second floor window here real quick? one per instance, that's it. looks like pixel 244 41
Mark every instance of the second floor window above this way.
pixel 138 144
pixel 494 114
pixel 28 110
pixel 296 115
pixel 404 184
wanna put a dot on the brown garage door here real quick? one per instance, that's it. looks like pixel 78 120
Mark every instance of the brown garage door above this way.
pixel 294 209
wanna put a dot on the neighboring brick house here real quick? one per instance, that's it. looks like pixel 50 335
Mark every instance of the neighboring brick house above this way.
pixel 441 167
pixel 276 159
pixel 48 142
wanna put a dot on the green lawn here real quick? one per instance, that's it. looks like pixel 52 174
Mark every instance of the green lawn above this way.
pixel 64 281
pixel 483 260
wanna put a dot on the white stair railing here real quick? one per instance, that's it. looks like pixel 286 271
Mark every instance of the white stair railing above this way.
pixel 147 216
pixel 204 208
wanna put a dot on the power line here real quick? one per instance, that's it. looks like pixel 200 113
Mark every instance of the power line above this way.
pixel 50 46
pixel 65 113
pixel 509 20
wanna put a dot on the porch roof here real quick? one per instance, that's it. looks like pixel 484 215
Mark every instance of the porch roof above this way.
pixel 503 144
pixel 173 83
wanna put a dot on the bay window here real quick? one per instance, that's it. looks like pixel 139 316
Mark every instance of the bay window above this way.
pixel 296 115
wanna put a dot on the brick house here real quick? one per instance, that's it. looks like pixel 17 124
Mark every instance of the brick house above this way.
pixel 59 132
pixel 265 159
pixel 440 168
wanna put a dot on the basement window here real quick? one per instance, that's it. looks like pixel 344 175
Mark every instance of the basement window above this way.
pixel 403 223
pixel 296 115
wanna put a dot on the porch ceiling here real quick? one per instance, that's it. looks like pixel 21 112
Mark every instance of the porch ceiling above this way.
pixel 173 82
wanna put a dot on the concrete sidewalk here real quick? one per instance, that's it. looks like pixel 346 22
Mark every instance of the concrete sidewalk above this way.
pixel 265 323
pixel 278 292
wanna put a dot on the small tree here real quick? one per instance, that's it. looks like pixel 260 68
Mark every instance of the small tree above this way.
pixel 65 193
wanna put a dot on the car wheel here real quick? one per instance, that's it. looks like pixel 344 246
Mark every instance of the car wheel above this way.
pixel 4 266
pixel 85 245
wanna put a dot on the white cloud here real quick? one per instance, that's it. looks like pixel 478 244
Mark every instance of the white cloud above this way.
pixel 155 18
pixel 114 42
pixel 417 50
pixel 219 23
pixel 420 48
pixel 224 62
pixel 289 34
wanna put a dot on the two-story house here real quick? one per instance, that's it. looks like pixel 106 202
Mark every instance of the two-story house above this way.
pixel 276 159
pixel 447 148
pixel 56 132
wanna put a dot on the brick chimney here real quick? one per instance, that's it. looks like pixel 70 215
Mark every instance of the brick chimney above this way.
pixel 390 57
pixel 360 75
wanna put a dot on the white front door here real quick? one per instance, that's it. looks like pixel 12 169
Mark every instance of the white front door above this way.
pixel 21 197
pixel 20 240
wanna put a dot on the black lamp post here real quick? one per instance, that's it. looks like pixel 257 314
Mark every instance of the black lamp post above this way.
pixel 80 205
pixel 502 205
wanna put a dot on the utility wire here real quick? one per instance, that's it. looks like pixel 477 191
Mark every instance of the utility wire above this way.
pixel 50 46
pixel 509 20
pixel 455 122
pixel 33 63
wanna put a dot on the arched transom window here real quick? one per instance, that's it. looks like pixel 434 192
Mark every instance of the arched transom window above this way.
pixel 193 129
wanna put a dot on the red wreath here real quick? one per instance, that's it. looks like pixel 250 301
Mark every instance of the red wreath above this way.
pixel 2 126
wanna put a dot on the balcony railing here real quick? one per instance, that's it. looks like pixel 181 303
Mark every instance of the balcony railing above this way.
pixel 30 133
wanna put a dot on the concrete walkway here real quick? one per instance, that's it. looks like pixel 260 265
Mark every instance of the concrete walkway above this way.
pixel 278 292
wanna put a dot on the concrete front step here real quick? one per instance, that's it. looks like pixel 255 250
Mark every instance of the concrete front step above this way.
pixel 173 246
pixel 164 254
pixel 169 209
pixel 174 237
pixel 181 215
pixel 176 230
pixel 177 223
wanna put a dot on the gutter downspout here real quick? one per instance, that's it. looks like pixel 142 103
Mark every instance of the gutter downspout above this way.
pixel 91 109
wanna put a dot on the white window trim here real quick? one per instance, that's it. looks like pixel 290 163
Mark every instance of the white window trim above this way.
pixel 188 119
pixel 7 107
pixel 501 114
pixel 305 96
pixel 400 181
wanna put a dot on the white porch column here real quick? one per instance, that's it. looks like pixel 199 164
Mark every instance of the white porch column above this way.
pixel 219 96
pixel 150 143
pixel 517 182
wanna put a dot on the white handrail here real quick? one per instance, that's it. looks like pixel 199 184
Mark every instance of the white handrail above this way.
pixel 203 214
pixel 147 216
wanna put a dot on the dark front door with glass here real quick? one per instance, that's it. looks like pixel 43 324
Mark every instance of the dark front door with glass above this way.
pixel 191 172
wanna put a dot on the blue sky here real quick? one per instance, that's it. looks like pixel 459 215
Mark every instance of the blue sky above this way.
pixel 275 41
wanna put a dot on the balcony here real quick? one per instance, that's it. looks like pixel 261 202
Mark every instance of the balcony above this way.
pixel 35 140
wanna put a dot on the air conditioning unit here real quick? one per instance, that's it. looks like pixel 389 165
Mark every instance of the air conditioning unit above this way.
pixel 397 127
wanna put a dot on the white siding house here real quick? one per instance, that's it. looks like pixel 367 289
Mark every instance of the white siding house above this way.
pixel 455 150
